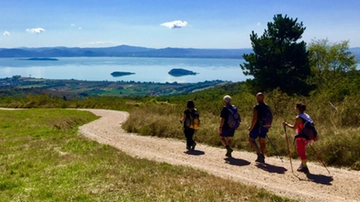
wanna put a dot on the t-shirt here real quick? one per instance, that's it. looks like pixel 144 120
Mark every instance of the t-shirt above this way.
pixel 259 108
pixel 187 114
pixel 225 114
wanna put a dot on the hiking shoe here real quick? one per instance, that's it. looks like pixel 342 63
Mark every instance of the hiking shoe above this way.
pixel 187 147
pixel 193 146
pixel 303 169
pixel 229 151
pixel 260 158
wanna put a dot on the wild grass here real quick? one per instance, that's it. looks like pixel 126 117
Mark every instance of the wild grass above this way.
pixel 337 121
pixel 43 158
pixel 338 127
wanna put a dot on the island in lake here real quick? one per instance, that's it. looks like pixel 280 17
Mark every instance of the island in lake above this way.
pixel 181 72
pixel 40 59
pixel 118 74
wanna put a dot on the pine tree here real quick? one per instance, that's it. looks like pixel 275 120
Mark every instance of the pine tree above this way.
pixel 279 59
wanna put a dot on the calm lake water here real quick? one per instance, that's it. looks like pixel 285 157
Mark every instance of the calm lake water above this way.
pixel 145 69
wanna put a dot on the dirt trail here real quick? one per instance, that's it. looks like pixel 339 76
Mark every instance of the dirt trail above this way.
pixel 341 185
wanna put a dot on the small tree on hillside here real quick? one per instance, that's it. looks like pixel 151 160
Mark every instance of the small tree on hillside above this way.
pixel 279 59
pixel 334 68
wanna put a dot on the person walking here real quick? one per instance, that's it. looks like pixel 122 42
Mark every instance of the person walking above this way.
pixel 259 127
pixel 300 141
pixel 225 130
pixel 189 126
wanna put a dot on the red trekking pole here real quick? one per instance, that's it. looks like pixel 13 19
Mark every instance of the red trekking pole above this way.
pixel 288 147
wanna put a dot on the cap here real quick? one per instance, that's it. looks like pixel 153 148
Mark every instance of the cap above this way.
pixel 227 97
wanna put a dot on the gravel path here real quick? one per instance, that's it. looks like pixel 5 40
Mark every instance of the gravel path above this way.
pixel 341 185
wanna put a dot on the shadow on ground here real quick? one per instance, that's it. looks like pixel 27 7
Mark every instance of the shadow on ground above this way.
pixel 236 162
pixel 272 168
pixel 320 179
pixel 194 152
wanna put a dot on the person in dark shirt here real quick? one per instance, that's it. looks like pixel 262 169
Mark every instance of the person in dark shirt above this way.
pixel 226 133
pixel 257 131
pixel 188 132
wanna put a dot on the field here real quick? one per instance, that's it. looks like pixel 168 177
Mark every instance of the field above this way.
pixel 43 158
pixel 159 116
pixel 337 125
pixel 70 89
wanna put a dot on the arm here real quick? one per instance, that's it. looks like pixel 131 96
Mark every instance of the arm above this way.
pixel 295 125
pixel 182 120
pixel 254 119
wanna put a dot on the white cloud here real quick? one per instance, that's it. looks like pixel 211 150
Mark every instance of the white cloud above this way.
pixel 258 24
pixel 175 24
pixel 35 30
pixel 100 43
pixel 79 28
pixel 6 33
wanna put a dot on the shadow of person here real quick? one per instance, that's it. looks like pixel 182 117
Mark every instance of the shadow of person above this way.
pixel 236 162
pixel 320 179
pixel 272 168
pixel 194 152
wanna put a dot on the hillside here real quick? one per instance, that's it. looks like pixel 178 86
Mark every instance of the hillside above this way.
pixel 123 51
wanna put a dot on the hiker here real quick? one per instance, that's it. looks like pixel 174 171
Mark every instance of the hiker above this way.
pixel 301 141
pixel 229 122
pixel 259 127
pixel 191 123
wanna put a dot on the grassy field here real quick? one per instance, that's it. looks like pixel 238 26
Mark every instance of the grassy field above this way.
pixel 43 158
pixel 338 129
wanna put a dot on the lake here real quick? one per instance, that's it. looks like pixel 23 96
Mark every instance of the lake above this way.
pixel 145 69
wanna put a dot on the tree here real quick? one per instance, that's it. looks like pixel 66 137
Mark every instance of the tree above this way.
pixel 279 60
pixel 334 68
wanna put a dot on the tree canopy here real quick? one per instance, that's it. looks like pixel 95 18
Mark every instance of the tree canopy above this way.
pixel 279 59
pixel 334 69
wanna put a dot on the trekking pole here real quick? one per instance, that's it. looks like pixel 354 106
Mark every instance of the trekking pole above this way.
pixel 288 147
pixel 277 153
pixel 319 158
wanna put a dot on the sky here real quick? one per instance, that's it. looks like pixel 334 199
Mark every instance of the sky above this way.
pixel 168 23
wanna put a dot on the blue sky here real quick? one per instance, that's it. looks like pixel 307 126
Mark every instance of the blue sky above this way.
pixel 203 23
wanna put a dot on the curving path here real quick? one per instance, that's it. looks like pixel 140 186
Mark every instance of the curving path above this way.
pixel 341 185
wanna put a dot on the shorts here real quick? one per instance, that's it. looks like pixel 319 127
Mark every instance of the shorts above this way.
pixel 258 132
pixel 227 132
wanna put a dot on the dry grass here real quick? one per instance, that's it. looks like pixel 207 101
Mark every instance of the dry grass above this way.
pixel 44 159
pixel 338 138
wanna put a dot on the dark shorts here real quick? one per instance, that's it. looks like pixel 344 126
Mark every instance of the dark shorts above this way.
pixel 227 132
pixel 258 132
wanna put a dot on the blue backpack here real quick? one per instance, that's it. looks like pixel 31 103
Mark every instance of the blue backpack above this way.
pixel 234 117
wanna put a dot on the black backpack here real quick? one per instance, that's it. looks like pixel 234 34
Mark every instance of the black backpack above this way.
pixel 266 117
pixel 309 131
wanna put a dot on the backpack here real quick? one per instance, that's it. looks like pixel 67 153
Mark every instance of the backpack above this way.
pixel 193 121
pixel 309 131
pixel 266 116
pixel 234 117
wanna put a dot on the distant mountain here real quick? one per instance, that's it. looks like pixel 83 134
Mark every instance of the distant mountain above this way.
pixel 130 51
pixel 122 51
pixel 356 51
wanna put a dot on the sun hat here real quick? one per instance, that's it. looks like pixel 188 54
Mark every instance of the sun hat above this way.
pixel 227 97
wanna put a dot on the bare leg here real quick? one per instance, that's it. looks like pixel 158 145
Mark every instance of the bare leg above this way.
pixel 228 141
pixel 262 145
pixel 223 141
pixel 252 142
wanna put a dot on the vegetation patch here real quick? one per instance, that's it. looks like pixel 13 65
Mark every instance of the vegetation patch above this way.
pixel 40 162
